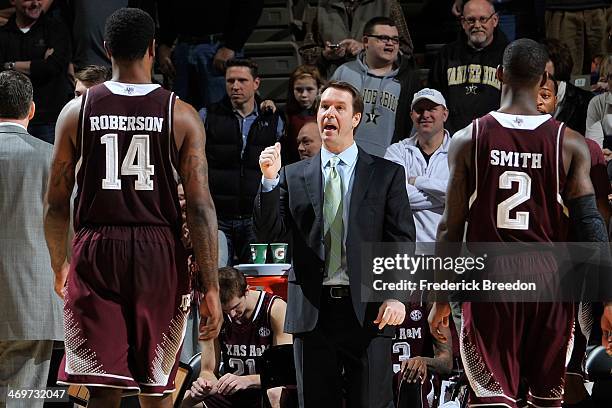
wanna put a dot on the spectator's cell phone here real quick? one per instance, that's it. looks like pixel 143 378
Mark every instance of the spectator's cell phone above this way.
pixel 335 46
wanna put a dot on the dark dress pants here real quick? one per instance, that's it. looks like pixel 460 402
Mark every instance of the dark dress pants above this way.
pixel 341 360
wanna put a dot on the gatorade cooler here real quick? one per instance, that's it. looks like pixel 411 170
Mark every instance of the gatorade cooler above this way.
pixel 269 277
pixel 276 285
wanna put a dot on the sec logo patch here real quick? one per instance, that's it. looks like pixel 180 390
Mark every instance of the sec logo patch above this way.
pixel 416 315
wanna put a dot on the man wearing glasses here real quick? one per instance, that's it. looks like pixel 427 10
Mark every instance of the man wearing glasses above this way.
pixel 465 69
pixel 386 81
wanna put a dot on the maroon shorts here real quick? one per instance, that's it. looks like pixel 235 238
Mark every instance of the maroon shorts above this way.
pixel 125 310
pixel 503 343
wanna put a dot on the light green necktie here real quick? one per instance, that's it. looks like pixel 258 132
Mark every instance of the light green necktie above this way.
pixel 332 217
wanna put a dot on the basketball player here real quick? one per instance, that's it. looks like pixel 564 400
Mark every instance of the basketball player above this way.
pixel 127 291
pixel 575 391
pixel 504 203
pixel 417 356
pixel 253 321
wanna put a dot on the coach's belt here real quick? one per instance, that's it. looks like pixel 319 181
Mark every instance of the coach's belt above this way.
pixel 338 292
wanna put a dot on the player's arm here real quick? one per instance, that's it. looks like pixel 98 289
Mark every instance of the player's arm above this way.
pixel 416 368
pixel 277 320
pixel 211 356
pixel 442 363
pixel 584 215
pixel 59 190
pixel 206 382
pixel 452 225
pixel 201 217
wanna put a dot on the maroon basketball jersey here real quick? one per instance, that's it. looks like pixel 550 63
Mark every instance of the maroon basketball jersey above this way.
pixel 412 337
pixel 517 180
pixel 126 174
pixel 243 344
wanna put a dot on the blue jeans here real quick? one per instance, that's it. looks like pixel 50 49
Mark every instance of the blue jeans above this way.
pixel 45 131
pixel 197 81
pixel 240 234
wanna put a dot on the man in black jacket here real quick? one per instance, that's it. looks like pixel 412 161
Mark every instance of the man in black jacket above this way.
pixel 39 46
pixel 236 133
pixel 465 69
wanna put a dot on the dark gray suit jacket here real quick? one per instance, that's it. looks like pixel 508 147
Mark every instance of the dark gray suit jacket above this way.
pixel 379 212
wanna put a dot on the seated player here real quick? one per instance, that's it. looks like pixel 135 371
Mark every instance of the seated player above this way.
pixel 253 321
pixel 575 391
pixel 417 357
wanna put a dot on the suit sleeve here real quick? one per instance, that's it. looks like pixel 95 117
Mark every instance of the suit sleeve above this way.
pixel 399 224
pixel 271 211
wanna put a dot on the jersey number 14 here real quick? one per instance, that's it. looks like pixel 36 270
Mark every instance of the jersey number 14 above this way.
pixel 137 162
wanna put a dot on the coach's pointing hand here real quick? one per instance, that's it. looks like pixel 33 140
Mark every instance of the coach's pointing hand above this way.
pixel 391 312
pixel 270 161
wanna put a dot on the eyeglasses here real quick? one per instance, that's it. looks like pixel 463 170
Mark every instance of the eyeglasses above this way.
pixel 472 20
pixel 384 38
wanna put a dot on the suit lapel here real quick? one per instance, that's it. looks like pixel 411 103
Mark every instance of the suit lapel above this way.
pixel 361 181
pixel 314 180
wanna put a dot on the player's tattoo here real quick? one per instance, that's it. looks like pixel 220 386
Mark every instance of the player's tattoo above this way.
pixel 197 168
pixel 201 215
pixel 443 362
pixel 62 174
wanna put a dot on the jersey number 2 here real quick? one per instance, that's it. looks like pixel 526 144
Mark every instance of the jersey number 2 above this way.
pixel 521 220
pixel 138 152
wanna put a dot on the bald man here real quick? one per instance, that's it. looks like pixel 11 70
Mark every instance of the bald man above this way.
pixel 309 140
pixel 465 69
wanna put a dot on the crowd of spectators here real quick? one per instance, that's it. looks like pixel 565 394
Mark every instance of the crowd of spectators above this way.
pixel 200 54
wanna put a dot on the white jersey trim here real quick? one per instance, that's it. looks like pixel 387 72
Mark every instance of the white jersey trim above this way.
pixel 470 128
pixel 259 304
pixel 122 387
pixel 558 154
pixel 77 167
pixel 120 88
pixel 171 141
pixel 523 122
pixel 121 377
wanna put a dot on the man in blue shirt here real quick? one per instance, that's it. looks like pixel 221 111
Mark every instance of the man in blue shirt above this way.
pixel 237 131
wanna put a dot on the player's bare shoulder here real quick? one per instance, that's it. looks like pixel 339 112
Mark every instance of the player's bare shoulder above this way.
pixel 460 147
pixel 186 123
pixel 574 149
pixel 574 141
pixel 68 119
